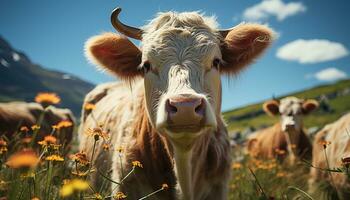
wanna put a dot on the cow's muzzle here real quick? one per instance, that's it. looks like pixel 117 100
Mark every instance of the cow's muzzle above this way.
pixel 186 114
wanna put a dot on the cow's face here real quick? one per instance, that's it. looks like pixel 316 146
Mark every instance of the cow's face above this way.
pixel 291 110
pixel 181 60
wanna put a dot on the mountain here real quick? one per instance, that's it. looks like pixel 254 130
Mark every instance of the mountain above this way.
pixel 334 101
pixel 21 79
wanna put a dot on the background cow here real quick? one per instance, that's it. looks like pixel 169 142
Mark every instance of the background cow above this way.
pixel 169 116
pixel 337 133
pixel 286 136
pixel 14 115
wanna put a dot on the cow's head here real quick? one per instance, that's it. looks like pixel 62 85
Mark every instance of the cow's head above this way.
pixel 291 110
pixel 181 59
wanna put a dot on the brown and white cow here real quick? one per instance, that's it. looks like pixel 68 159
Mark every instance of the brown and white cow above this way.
pixel 168 115
pixel 337 133
pixel 287 136
pixel 13 115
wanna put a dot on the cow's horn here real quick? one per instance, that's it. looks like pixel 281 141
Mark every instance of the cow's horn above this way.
pixel 129 31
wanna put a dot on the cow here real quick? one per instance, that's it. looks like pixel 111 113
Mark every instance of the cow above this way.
pixel 287 137
pixel 166 113
pixel 334 140
pixel 17 114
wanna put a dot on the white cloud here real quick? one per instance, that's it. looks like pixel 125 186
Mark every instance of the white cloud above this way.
pixel 330 74
pixel 311 51
pixel 277 8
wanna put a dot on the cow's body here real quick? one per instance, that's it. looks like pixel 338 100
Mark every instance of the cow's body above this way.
pixel 336 134
pixel 272 143
pixel 170 116
pixel 122 111
pixel 13 115
pixel 286 137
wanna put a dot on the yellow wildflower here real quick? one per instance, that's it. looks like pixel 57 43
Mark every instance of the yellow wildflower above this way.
pixel 80 158
pixel 71 186
pixel 35 127
pixel 35 198
pixel 97 133
pixel 63 124
pixel 54 158
pixel 137 163
pixel 23 159
pixel 47 98
pixel 120 149
pixel 119 196
pixel 89 106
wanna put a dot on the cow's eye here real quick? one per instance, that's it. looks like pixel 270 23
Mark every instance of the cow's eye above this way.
pixel 216 63
pixel 146 66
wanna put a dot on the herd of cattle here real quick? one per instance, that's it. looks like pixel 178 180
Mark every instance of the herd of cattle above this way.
pixel 168 116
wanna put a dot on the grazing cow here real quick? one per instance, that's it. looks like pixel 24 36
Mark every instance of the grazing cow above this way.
pixel 13 115
pixel 286 136
pixel 338 134
pixel 168 116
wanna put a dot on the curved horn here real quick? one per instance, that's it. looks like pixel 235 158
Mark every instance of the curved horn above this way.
pixel 129 31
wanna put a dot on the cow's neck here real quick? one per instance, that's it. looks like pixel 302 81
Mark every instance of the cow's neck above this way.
pixel 293 143
pixel 189 157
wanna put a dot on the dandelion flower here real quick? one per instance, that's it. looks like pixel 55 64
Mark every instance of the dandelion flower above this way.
pixel 35 127
pixel 26 158
pixel 69 187
pixel 120 149
pixel 89 106
pixel 63 124
pixel 97 133
pixel 47 98
pixel 119 196
pixel 137 163
pixel 49 140
pixel 80 158
pixel 54 158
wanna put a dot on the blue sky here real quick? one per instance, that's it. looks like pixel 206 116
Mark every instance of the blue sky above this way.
pixel 312 47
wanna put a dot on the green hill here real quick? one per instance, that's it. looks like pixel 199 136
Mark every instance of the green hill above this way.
pixel 338 100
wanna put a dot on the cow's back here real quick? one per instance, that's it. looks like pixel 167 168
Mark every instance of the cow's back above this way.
pixel 336 133
pixel 265 142
pixel 115 108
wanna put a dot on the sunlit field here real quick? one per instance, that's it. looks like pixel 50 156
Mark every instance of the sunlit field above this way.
pixel 53 169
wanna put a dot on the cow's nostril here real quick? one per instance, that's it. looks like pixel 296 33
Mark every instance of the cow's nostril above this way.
pixel 170 108
pixel 200 108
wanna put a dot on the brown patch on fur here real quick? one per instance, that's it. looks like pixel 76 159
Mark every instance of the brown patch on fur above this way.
pixel 242 45
pixel 152 151
pixel 271 107
pixel 115 53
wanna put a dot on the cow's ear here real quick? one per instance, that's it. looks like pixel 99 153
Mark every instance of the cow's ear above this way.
pixel 114 53
pixel 271 107
pixel 309 106
pixel 243 44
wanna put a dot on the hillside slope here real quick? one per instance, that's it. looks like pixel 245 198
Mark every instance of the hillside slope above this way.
pixel 20 79
pixel 336 102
